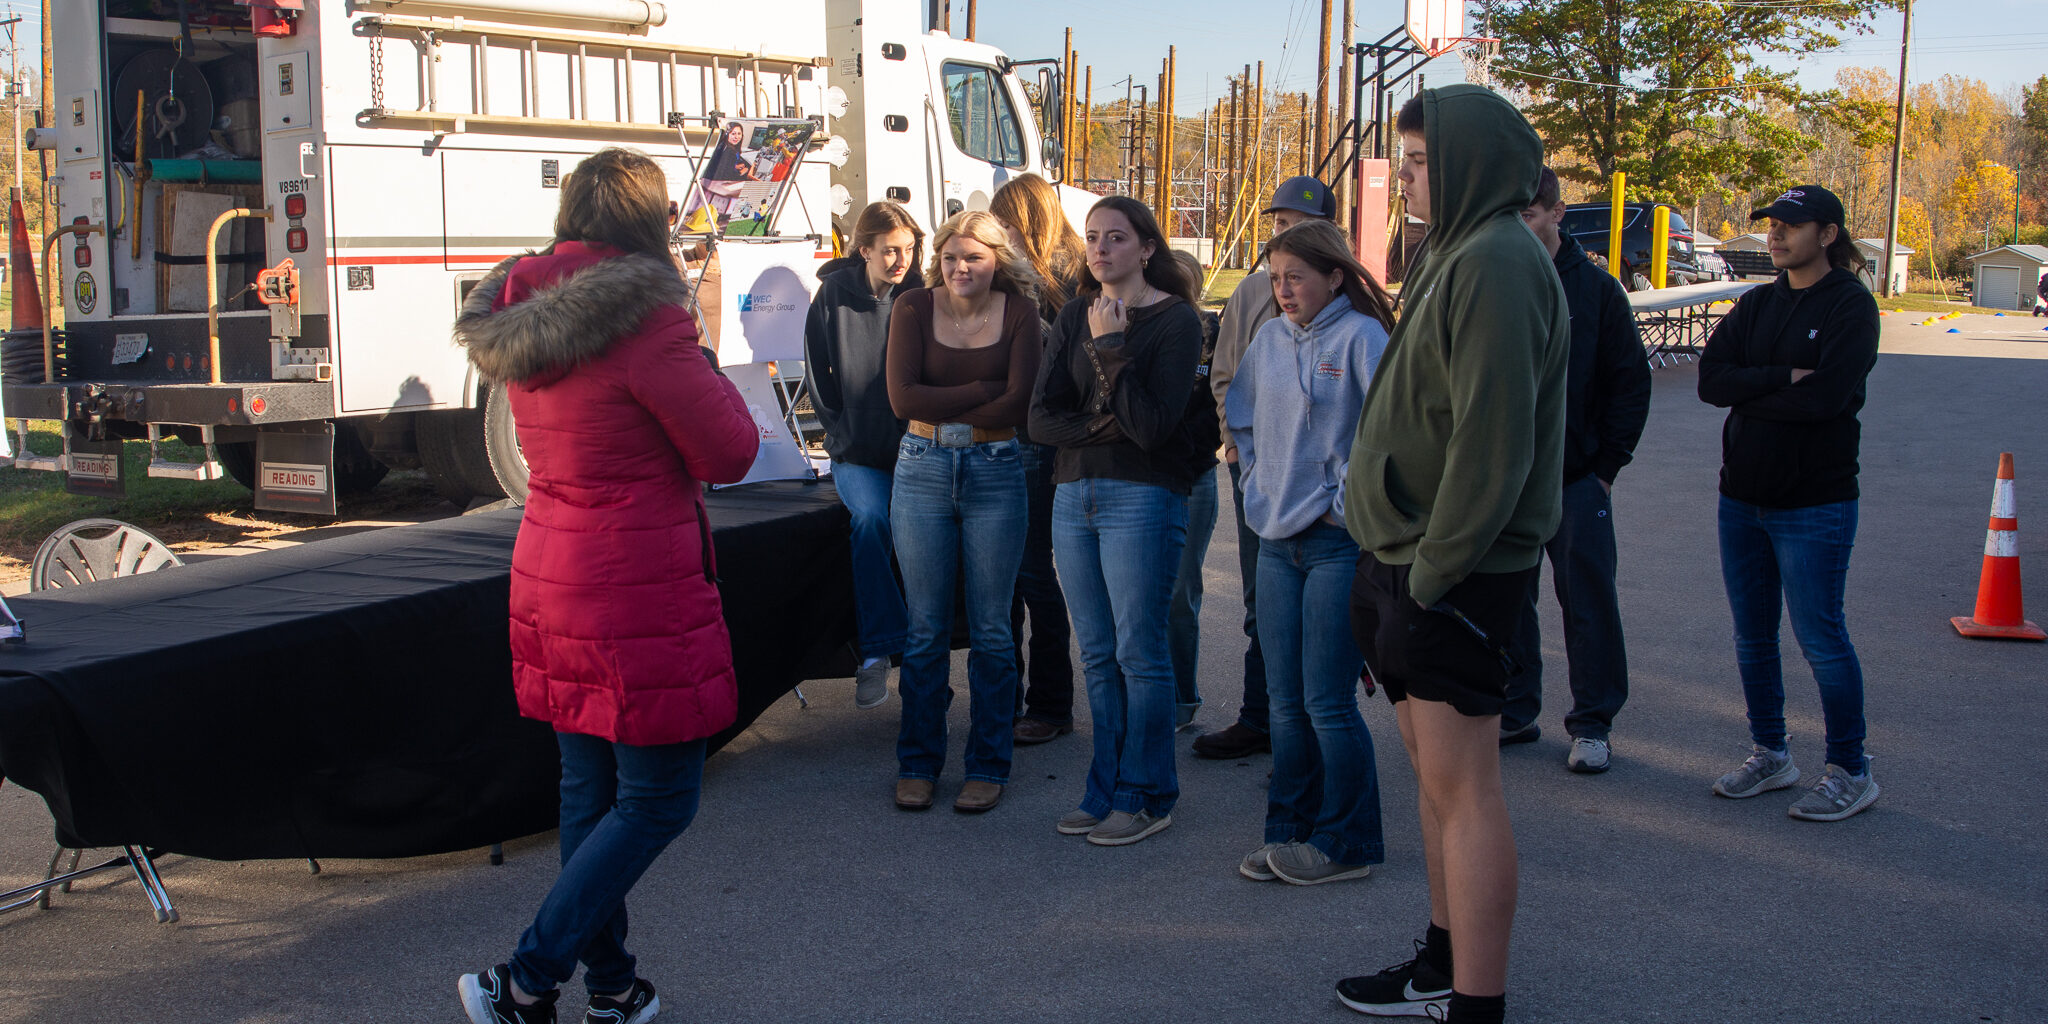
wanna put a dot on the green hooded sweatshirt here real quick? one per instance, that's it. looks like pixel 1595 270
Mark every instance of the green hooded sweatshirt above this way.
pixel 1457 465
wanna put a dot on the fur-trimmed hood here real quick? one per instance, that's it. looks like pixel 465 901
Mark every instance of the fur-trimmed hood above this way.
pixel 540 315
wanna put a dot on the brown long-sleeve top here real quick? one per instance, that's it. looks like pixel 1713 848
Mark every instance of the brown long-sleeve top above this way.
pixel 982 387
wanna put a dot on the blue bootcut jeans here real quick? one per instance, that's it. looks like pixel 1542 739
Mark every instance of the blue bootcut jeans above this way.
pixel 1118 544
pixel 621 806
pixel 1801 554
pixel 1325 789
pixel 1184 611
pixel 877 599
pixel 958 511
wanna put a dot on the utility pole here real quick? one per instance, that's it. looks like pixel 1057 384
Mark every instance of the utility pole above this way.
pixel 1233 159
pixel 1087 120
pixel 970 21
pixel 14 99
pixel 1138 144
pixel 1322 114
pixel 1347 72
pixel 48 112
pixel 1891 221
pixel 1066 113
pixel 1258 152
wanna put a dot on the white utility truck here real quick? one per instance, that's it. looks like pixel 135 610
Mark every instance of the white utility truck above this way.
pixel 270 210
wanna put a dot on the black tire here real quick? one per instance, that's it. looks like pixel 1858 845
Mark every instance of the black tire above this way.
pixel 238 458
pixel 501 445
pixel 356 471
pixel 451 448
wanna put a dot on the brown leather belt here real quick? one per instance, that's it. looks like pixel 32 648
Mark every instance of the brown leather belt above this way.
pixel 954 437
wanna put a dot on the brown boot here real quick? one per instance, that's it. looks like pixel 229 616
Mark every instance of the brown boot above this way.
pixel 914 794
pixel 978 796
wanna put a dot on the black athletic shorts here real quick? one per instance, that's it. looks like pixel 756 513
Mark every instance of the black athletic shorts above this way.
pixel 1428 655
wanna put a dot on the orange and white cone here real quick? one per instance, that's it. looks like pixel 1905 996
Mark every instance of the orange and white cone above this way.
pixel 1999 615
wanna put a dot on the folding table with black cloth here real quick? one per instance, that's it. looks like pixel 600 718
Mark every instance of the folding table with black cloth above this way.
pixel 353 697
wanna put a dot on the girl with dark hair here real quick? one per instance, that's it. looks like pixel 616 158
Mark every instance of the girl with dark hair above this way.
pixel 1291 410
pixel 1112 395
pixel 1029 209
pixel 725 170
pixel 846 341
pixel 618 639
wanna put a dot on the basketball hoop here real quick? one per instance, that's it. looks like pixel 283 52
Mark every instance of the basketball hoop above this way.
pixel 1478 54
pixel 1436 26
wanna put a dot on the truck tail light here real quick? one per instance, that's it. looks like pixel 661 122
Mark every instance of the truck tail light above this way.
pixel 81 256
pixel 295 240
pixel 295 206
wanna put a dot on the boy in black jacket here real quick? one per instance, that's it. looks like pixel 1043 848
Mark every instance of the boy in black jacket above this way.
pixel 1789 364
pixel 1607 400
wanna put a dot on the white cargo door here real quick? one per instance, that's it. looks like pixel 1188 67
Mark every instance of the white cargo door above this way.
pixel 391 298
pixel 80 180
pixel 1998 287
pixel 981 135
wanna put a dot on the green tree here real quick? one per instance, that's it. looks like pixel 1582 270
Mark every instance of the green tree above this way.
pixel 2033 147
pixel 1675 93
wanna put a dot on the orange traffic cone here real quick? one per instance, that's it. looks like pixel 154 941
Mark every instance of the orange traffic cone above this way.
pixel 1999 615
pixel 21 272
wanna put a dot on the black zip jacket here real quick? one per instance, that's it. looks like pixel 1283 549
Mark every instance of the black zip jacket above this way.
pixel 1607 383
pixel 846 341
pixel 1788 445
pixel 1141 431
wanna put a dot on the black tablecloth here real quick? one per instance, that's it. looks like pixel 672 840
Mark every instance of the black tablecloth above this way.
pixel 352 697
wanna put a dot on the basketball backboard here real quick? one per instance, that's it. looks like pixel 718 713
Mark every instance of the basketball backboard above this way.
pixel 1437 26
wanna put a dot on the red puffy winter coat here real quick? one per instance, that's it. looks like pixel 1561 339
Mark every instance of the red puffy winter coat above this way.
pixel 616 626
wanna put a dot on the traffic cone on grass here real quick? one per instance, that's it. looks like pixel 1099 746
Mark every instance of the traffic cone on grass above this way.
pixel 21 272
pixel 1999 615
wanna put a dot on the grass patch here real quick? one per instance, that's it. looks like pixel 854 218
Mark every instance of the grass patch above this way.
pixel 1226 281
pixel 1924 302
pixel 187 514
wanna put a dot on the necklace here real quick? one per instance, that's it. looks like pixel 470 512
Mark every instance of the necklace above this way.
pixel 960 328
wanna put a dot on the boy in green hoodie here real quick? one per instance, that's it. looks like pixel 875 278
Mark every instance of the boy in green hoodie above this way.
pixel 1455 478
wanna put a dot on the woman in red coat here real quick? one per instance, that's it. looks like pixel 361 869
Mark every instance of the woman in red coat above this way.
pixel 618 640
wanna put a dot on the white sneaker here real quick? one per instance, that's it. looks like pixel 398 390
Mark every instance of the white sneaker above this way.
pixel 1765 770
pixel 1588 756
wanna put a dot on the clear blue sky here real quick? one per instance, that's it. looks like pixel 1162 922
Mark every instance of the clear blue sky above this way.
pixel 2003 42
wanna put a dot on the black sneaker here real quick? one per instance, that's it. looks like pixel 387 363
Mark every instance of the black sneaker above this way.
pixel 487 999
pixel 1403 990
pixel 1239 740
pixel 639 1006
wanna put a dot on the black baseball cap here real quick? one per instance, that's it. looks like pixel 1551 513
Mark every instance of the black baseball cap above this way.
pixel 1304 194
pixel 1803 203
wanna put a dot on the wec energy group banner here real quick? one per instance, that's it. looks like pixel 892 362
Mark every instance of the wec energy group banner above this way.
pixel 765 293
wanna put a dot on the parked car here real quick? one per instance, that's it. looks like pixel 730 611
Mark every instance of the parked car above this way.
pixel 1588 222
pixel 1712 267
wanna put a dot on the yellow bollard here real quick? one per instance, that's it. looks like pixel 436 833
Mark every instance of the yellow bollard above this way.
pixel 1614 229
pixel 1660 246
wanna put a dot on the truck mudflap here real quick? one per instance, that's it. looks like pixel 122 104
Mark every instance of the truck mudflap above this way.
pixel 230 404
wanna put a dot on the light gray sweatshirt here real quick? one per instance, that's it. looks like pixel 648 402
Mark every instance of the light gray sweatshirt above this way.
pixel 1292 411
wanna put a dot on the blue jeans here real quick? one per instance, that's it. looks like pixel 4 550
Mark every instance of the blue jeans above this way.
pixel 1184 612
pixel 1049 670
pixel 877 599
pixel 1118 545
pixel 621 806
pixel 958 512
pixel 1803 554
pixel 1325 789
pixel 1252 715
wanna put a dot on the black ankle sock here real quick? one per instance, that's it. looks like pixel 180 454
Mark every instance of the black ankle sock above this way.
pixel 1436 948
pixel 1476 1009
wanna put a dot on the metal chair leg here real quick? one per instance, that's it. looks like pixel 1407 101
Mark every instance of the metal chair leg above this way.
pixel 71 870
pixel 36 894
pixel 152 884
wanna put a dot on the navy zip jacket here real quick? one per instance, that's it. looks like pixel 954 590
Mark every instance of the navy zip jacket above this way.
pixel 1607 381
pixel 1785 444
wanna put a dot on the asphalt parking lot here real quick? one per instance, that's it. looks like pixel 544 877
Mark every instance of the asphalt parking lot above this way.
pixel 801 894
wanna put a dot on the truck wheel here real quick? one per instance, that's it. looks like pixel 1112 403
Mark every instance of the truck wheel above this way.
pixel 355 469
pixel 501 445
pixel 238 458
pixel 451 448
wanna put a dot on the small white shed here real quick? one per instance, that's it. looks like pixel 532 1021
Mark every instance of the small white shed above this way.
pixel 1753 242
pixel 2005 277
pixel 1873 252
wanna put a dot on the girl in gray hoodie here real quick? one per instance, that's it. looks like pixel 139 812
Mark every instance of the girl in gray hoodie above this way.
pixel 1291 411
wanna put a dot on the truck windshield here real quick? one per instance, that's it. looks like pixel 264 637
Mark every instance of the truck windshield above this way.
pixel 984 124
pixel 1592 219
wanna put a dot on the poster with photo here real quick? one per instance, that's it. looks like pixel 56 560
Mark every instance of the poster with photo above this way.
pixel 750 164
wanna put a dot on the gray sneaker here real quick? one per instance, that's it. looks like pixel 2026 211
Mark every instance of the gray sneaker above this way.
pixel 1765 770
pixel 1123 828
pixel 1837 795
pixel 871 685
pixel 1302 864
pixel 1077 823
pixel 1254 865
pixel 1588 756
